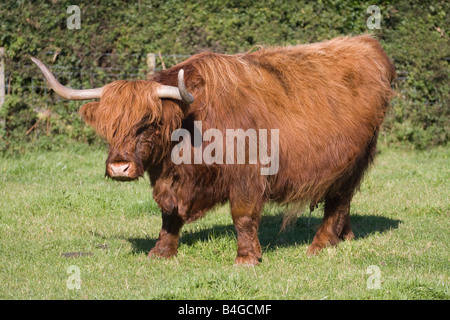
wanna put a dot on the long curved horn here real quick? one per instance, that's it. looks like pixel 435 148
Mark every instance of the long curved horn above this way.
pixel 177 93
pixel 64 92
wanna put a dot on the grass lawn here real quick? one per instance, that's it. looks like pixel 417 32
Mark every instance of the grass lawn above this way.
pixel 57 210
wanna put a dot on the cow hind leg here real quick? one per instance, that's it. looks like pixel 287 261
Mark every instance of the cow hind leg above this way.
pixel 246 221
pixel 336 222
pixel 335 226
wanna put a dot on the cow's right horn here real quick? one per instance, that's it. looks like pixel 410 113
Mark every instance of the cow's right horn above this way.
pixel 64 92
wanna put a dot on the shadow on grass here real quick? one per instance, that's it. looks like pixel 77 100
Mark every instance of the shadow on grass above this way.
pixel 270 237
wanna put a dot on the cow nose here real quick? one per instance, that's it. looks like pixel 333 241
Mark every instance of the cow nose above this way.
pixel 119 170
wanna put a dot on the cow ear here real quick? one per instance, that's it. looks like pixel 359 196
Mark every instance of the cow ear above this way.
pixel 88 112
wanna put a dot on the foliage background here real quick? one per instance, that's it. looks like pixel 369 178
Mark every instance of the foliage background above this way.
pixel 118 34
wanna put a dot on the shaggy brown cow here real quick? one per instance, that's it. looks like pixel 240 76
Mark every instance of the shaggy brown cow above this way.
pixel 327 100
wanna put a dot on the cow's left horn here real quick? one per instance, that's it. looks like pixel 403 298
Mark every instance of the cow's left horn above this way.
pixel 67 93
pixel 178 93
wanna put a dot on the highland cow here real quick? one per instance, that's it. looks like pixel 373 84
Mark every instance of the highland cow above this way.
pixel 327 100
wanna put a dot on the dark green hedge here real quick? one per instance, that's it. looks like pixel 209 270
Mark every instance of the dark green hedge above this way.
pixel 414 33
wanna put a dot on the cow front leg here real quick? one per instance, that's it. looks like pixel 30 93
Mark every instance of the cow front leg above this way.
pixel 167 244
pixel 246 221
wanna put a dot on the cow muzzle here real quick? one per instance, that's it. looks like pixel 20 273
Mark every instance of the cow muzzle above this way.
pixel 120 171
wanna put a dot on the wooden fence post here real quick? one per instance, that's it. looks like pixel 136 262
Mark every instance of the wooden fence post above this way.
pixel 2 76
pixel 151 63
pixel 162 60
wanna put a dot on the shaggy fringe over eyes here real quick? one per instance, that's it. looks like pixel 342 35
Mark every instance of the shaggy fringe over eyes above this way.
pixel 125 105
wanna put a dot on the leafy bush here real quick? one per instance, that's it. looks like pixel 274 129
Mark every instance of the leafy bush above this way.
pixel 18 118
pixel 24 129
pixel 418 42
pixel 118 34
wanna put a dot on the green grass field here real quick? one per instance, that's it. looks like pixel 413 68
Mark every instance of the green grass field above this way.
pixel 57 210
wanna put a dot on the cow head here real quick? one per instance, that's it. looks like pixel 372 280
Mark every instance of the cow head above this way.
pixel 130 116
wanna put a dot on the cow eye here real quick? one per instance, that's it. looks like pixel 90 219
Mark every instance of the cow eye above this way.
pixel 141 130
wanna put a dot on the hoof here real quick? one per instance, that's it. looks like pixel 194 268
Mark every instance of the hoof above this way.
pixel 164 253
pixel 347 236
pixel 314 249
pixel 246 261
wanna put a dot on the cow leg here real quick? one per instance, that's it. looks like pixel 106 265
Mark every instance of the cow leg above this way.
pixel 335 225
pixel 167 244
pixel 347 232
pixel 336 222
pixel 246 221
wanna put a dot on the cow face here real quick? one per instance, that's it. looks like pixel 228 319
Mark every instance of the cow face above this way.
pixel 128 115
pixel 129 159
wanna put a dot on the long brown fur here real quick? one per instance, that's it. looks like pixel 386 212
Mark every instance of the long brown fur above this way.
pixel 327 100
